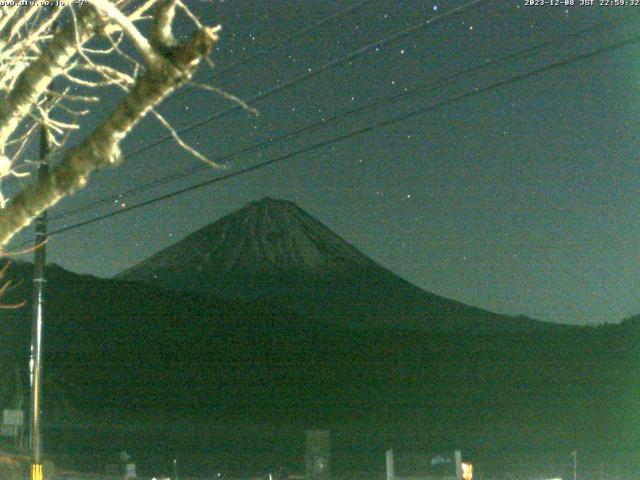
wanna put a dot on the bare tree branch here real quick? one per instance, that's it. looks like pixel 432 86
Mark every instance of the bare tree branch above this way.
pixel 5 287
pixel 101 148
pixel 184 145
pixel 35 80
pixel 228 96
pixel 139 40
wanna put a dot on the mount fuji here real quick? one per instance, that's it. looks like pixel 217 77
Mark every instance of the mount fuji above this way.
pixel 273 250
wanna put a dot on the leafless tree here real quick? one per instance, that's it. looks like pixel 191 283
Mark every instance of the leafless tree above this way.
pixel 87 49
pixel 4 288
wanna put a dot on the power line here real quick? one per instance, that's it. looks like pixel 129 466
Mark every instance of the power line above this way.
pixel 277 44
pixel 350 56
pixel 361 131
pixel 312 73
pixel 425 87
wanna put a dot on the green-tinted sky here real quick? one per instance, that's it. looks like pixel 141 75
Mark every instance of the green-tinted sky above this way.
pixel 520 200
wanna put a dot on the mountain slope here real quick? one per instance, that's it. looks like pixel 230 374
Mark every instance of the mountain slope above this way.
pixel 269 236
pixel 188 373
pixel 273 249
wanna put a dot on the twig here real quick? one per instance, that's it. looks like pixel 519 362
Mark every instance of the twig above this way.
pixel 182 143
pixel 227 96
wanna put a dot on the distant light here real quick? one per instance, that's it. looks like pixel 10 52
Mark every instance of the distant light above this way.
pixel 467 471
pixel 435 8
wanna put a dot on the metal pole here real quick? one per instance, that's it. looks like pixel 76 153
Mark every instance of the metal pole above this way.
pixel 390 465
pixel 39 280
pixel 458 456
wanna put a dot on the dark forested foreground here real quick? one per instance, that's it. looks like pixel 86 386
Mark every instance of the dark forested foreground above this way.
pixel 230 385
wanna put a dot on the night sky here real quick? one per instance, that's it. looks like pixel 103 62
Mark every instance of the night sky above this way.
pixel 519 200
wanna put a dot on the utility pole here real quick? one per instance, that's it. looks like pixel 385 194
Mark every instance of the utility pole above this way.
pixel 390 465
pixel 575 464
pixel 39 280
